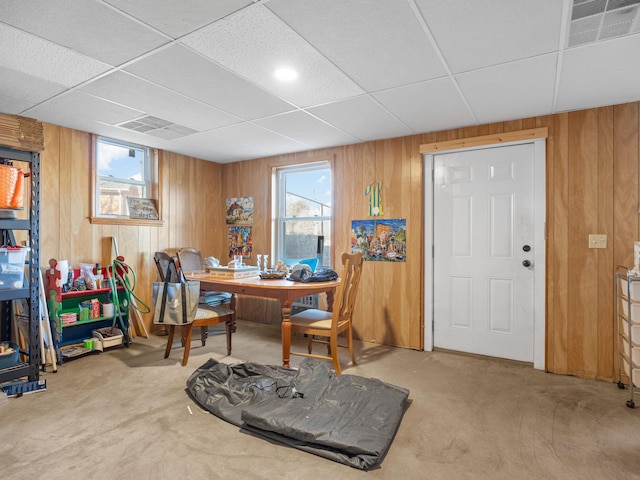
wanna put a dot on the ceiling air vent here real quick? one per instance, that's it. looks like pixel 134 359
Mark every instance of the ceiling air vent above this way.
pixel 595 20
pixel 158 127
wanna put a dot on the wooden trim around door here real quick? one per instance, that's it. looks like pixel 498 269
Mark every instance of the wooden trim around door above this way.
pixel 494 139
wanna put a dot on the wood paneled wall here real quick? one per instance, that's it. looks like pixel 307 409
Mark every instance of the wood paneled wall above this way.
pixel 190 209
pixel 592 187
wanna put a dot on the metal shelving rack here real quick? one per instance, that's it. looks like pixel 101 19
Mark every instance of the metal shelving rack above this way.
pixel 628 329
pixel 30 290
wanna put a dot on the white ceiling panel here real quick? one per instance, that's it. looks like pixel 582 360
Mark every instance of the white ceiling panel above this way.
pixel 209 145
pixel 141 95
pixel 44 59
pixel 262 139
pixel 473 34
pixel 598 74
pixel 85 26
pixel 254 43
pixel 306 129
pixel 382 48
pixel 189 73
pixel 362 117
pixel 178 18
pixel 87 106
pixel 368 69
pixel 427 106
pixel 25 89
pixel 505 91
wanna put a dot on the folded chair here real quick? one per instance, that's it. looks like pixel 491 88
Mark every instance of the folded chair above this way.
pixel 328 325
pixel 205 316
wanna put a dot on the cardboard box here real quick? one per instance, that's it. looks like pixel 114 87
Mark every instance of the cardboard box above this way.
pixel 232 273
pixel 95 308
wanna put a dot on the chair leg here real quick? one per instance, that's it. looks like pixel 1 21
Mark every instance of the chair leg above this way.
pixel 350 344
pixel 228 328
pixel 187 342
pixel 167 351
pixel 309 343
pixel 204 334
pixel 334 355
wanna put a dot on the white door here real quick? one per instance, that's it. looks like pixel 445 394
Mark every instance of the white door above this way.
pixel 483 237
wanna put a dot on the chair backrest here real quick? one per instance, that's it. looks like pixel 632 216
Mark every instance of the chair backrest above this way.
pixel 190 260
pixel 165 262
pixel 346 293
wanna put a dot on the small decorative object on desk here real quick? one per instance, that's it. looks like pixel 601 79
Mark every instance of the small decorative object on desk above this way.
pixel 272 275
pixel 266 263
pixel 259 257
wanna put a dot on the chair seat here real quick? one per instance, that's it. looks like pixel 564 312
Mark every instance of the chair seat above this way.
pixel 312 318
pixel 205 313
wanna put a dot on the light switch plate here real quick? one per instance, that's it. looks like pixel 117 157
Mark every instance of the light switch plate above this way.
pixel 597 241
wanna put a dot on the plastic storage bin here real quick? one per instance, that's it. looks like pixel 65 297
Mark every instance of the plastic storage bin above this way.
pixel 9 359
pixel 12 266
pixel 108 337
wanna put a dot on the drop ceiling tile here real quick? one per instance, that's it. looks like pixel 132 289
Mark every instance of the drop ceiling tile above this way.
pixel 361 117
pixel 262 139
pixel 34 56
pixel 386 47
pixel 505 91
pixel 191 74
pixel 90 107
pixel 254 43
pixel 427 106
pixel 31 90
pixel 600 74
pixel 475 34
pixel 178 18
pixel 306 129
pixel 139 94
pixel 86 26
pixel 207 145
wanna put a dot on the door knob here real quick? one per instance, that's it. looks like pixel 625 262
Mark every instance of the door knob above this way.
pixel 526 248
pixel 526 263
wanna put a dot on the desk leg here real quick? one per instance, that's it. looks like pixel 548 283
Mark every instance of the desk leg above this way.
pixel 286 332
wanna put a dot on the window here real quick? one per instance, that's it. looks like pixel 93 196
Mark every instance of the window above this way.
pixel 121 170
pixel 303 213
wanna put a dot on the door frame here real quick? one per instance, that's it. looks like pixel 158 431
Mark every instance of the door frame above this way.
pixel 538 138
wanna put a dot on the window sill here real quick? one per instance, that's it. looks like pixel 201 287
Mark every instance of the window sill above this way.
pixel 125 221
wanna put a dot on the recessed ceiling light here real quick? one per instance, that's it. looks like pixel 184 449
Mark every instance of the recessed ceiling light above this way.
pixel 286 74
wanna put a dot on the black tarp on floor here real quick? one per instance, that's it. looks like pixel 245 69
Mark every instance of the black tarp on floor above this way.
pixel 346 418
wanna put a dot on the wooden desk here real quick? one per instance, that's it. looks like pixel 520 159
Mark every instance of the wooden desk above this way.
pixel 284 290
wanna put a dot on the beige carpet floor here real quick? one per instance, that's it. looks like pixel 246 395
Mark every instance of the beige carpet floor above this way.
pixel 124 414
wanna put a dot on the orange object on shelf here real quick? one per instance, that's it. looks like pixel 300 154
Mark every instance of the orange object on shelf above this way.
pixel 11 187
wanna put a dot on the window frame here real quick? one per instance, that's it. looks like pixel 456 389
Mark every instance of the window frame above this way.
pixel 278 218
pixel 153 184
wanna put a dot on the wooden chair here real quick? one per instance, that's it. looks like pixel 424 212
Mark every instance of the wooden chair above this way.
pixel 328 325
pixel 205 315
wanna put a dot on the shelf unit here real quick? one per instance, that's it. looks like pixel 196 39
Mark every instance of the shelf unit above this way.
pixel 75 333
pixel 31 287
pixel 628 330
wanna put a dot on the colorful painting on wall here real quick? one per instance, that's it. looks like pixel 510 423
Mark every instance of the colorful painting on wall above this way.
pixel 239 211
pixel 382 240
pixel 240 242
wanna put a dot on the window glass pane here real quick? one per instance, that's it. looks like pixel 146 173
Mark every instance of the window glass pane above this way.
pixel 122 171
pixel 304 212
pixel 121 161
pixel 308 193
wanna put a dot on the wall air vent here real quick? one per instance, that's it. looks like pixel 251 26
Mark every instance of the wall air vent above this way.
pixel 595 20
pixel 158 127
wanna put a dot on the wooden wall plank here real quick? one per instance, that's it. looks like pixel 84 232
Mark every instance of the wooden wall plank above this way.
pixel 606 291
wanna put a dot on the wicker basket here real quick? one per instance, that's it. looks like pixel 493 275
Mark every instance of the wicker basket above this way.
pixel 11 187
